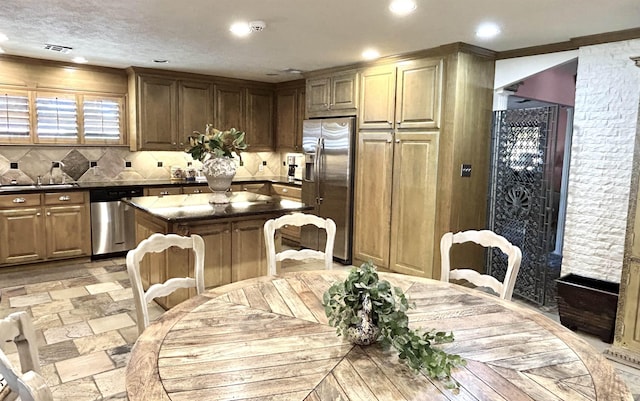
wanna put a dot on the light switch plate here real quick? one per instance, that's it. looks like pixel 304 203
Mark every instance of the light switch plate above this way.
pixel 465 170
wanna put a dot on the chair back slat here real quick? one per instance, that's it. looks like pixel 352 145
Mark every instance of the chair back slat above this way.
pixel 487 239
pixel 159 243
pixel 298 219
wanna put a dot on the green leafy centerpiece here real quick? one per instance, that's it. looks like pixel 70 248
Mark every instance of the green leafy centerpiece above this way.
pixel 215 149
pixel 363 300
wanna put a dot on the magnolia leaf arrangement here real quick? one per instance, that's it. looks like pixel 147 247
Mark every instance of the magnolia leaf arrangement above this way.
pixel 343 305
pixel 216 143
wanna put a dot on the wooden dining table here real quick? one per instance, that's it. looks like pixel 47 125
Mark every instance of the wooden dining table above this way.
pixel 268 339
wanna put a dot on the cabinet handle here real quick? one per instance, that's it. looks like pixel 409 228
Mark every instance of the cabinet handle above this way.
pixel 19 200
pixel 389 140
pixel 397 141
pixel 173 143
pixel 285 190
pixel 197 191
pixel 226 231
pixel 64 198
pixel 164 192
pixel 38 214
pixel 48 213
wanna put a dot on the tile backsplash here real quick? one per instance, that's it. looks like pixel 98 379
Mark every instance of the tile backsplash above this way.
pixel 84 164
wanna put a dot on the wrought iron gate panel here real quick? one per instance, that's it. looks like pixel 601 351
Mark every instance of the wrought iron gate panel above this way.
pixel 520 194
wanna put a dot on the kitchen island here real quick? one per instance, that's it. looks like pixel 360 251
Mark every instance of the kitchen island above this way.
pixel 233 236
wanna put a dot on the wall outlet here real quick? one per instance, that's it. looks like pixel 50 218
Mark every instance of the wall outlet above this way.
pixel 261 167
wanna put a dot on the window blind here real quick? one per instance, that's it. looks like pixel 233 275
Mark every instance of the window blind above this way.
pixel 57 117
pixel 14 116
pixel 101 119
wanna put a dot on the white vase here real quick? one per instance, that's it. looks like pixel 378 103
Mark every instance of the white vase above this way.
pixel 219 172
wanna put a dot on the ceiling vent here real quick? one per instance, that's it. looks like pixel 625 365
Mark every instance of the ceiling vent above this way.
pixel 58 48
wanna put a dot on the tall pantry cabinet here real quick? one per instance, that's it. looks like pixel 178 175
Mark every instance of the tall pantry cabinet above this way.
pixel 419 121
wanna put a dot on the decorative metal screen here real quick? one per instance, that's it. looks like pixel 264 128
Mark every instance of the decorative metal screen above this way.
pixel 520 197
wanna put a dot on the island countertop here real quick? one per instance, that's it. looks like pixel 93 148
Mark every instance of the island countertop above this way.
pixel 190 207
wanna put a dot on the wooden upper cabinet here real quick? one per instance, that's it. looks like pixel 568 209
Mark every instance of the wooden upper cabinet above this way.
pixel 290 108
pixel 157 105
pixel 196 109
pixel 247 109
pixel 332 95
pixel 419 94
pixel 377 97
pixel 229 101
pixel 286 119
pixel 259 119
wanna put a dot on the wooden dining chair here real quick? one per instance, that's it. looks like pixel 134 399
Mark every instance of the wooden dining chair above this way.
pixel 485 238
pixel 298 219
pixel 25 382
pixel 159 243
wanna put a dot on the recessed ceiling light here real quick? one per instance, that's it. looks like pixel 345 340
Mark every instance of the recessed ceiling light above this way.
pixel 3 37
pixel 292 71
pixel 160 61
pixel 402 7
pixel 79 60
pixel 487 30
pixel 370 54
pixel 240 29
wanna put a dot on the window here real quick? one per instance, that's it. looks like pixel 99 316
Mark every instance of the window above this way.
pixel 61 117
pixel 14 117
pixel 102 120
pixel 57 118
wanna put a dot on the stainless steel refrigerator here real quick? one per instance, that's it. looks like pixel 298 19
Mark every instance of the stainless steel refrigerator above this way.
pixel 328 181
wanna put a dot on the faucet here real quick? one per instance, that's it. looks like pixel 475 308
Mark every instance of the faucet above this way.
pixel 54 165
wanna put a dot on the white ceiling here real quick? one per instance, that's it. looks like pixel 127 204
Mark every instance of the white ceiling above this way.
pixel 302 34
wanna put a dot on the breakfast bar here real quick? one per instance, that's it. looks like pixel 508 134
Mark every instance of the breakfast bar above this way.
pixel 232 232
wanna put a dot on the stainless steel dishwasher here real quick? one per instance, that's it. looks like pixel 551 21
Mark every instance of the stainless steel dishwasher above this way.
pixel 112 221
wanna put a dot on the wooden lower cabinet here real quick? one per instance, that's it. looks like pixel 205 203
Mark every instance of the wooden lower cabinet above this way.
pixel 68 225
pixel 413 203
pixel 234 251
pixel 288 192
pixel 395 207
pixel 47 226
pixel 372 209
pixel 22 233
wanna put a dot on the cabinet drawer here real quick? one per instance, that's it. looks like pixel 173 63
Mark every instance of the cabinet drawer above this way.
pixel 20 200
pixel 287 191
pixel 177 190
pixel 64 198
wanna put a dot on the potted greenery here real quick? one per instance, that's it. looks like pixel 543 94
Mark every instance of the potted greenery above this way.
pixel 215 149
pixel 363 300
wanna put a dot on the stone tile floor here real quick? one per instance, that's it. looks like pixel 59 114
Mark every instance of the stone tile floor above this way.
pixel 85 321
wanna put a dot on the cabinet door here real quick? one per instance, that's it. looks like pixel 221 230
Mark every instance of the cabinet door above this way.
pixel 259 119
pixel 196 109
pixel 217 255
pixel 317 98
pixel 68 231
pixel 377 97
pixel 301 113
pixel 344 91
pixel 372 211
pixel 22 233
pixel 286 119
pixel 248 258
pixel 419 94
pixel 414 203
pixel 229 107
pixel 157 108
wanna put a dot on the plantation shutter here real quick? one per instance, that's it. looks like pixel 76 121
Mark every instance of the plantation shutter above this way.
pixel 57 117
pixel 102 119
pixel 14 116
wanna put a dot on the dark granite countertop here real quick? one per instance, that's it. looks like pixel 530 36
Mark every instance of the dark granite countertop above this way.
pixel 190 207
pixel 16 189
